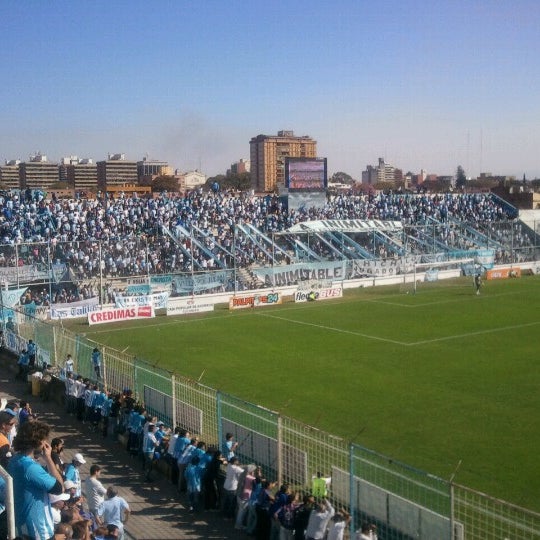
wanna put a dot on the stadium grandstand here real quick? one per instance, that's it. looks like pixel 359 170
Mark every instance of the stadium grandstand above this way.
pixel 87 244
pixel 59 252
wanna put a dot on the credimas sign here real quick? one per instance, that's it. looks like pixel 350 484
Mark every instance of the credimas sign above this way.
pixel 120 314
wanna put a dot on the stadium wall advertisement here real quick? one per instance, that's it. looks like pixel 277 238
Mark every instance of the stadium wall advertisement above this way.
pixel 74 309
pixel 255 300
pixel 503 273
pixel 328 293
pixel 187 306
pixel 157 300
pixel 120 314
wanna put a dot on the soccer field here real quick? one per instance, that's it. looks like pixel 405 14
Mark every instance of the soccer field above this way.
pixel 431 379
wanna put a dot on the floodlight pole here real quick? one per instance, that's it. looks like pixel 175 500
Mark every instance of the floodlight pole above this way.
pixel 273 257
pixel 192 261
pixel 234 256
pixel 50 273
pixel 17 263
pixel 147 265
pixel 101 295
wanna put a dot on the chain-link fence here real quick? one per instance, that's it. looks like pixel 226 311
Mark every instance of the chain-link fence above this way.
pixel 403 502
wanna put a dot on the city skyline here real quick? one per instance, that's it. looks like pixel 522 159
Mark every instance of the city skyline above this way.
pixel 424 86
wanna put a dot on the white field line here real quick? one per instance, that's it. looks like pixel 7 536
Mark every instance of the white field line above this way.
pixel 411 344
pixel 461 298
pixel 478 333
pixel 172 322
pixel 333 329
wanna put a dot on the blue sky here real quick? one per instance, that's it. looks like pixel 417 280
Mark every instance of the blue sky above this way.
pixel 427 85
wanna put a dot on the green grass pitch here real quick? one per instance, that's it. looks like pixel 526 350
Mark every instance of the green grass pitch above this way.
pixel 429 379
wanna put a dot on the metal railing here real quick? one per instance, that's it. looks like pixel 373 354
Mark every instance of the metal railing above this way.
pixel 403 502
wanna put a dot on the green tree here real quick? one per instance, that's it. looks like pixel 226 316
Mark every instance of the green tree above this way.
pixel 461 178
pixel 165 183
pixel 341 178
pixel 241 182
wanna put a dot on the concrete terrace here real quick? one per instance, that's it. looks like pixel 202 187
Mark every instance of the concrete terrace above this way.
pixel 157 511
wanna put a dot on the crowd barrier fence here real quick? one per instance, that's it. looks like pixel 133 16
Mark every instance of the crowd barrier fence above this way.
pixel 403 502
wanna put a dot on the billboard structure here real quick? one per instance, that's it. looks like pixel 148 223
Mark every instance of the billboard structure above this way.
pixel 305 174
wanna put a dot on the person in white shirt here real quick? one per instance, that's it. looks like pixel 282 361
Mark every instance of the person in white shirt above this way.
pixel 338 524
pixel 318 520
pixel 57 503
pixel 94 490
pixel 114 511
pixel 367 532
pixel 69 364
pixel 233 474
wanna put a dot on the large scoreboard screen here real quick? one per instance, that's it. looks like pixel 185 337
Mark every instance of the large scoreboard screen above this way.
pixel 306 174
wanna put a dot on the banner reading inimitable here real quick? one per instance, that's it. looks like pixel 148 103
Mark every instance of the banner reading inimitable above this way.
pixel 293 273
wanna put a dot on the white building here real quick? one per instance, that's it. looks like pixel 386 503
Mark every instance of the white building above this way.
pixel 191 180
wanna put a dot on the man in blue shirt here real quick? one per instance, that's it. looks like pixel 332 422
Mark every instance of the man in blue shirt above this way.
pixel 229 446
pixel 31 349
pixel 32 483
pixel 24 365
pixel 72 472
pixel 193 476
pixel 96 362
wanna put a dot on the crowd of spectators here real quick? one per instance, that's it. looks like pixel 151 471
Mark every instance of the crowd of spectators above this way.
pixel 129 235
pixel 54 499
pixel 51 500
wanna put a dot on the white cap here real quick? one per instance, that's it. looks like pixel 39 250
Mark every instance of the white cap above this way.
pixel 62 497
pixel 78 457
pixel 68 484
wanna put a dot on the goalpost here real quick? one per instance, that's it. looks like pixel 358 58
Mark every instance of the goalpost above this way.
pixel 430 272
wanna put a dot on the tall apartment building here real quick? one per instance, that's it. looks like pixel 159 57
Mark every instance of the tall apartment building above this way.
pixel 38 173
pixel 82 175
pixel 383 172
pixel 116 171
pixel 268 153
pixel 63 165
pixel 240 167
pixel 9 174
pixel 148 169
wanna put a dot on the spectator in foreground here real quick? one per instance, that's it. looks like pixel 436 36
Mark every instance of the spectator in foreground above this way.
pixel 94 490
pixel 63 531
pixel 7 421
pixel 318 520
pixel 57 503
pixel 193 479
pixel 73 474
pixel 32 483
pixel 82 530
pixel 338 524
pixel 57 445
pixel 114 511
pixel 232 476
pixel 96 362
